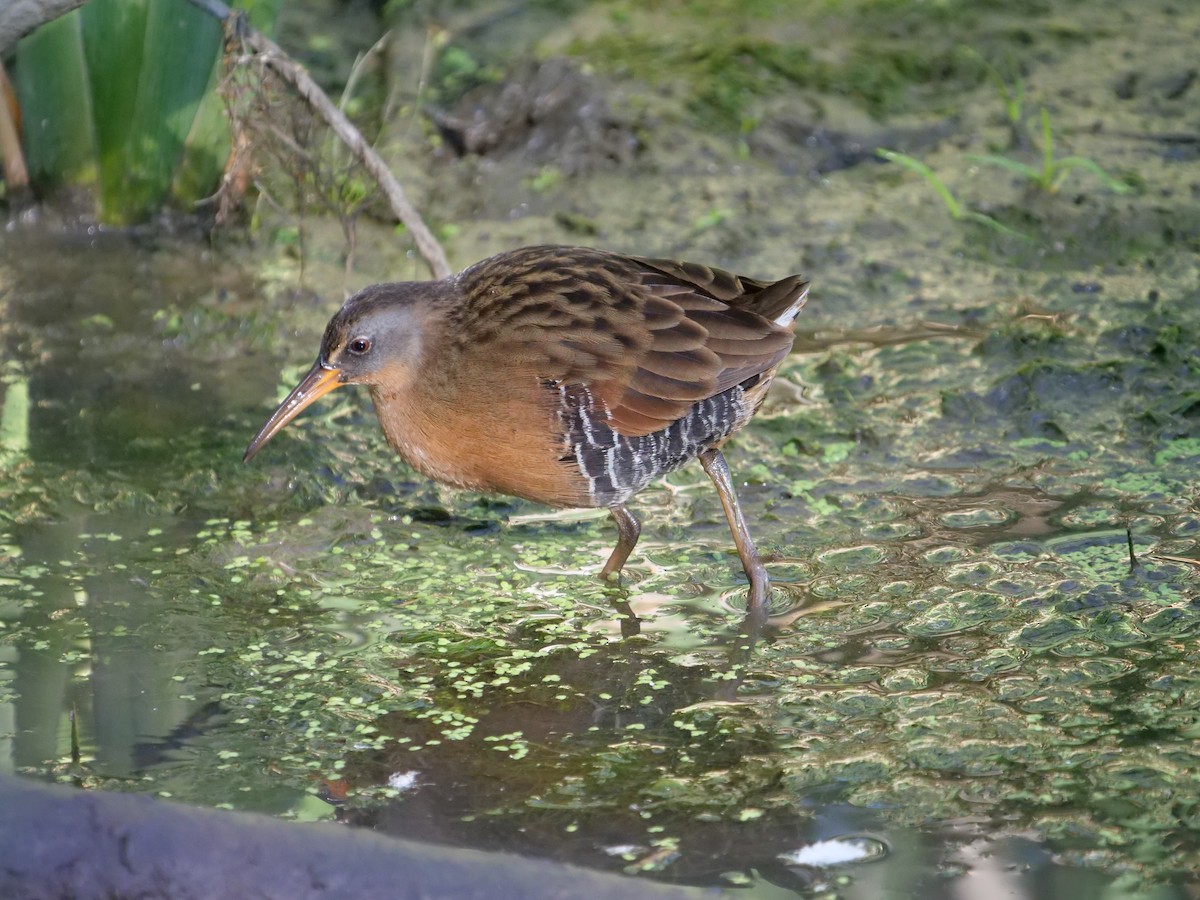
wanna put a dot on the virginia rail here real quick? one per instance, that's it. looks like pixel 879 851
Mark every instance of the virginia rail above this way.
pixel 564 375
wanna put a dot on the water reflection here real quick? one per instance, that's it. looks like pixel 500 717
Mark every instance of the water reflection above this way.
pixel 98 653
pixel 110 401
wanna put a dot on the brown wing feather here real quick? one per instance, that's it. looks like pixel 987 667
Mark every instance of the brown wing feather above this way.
pixel 649 338
pixel 769 299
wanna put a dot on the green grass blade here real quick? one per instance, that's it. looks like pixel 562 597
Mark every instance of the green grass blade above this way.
pixel 1003 162
pixel 1116 185
pixel 1047 175
pixel 981 219
pixel 915 165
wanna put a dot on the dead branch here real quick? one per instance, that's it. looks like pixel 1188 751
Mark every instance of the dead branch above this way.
pixel 270 54
pixel 273 56
pixel 19 17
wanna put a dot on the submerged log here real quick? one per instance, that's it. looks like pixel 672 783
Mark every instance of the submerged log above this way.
pixel 58 842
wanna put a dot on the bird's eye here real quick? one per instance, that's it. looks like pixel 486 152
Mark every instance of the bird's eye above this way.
pixel 359 346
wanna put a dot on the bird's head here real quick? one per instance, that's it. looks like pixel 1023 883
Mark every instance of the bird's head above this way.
pixel 374 339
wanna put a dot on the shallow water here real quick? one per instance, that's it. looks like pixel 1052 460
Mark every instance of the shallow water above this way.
pixel 965 678
pixel 962 672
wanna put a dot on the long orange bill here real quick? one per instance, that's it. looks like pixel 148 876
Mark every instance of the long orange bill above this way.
pixel 316 384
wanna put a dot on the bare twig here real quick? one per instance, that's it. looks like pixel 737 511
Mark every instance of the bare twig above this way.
pixel 273 56
pixel 1186 560
pixel 20 17
pixel 293 72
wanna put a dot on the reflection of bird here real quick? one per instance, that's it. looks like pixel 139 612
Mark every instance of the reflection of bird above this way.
pixel 568 376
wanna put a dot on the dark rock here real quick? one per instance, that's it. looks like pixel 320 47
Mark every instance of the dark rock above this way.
pixel 547 113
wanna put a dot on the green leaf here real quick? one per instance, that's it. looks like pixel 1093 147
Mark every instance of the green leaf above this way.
pixel 206 146
pixel 1012 165
pixel 52 86
pixel 180 51
pixel 113 33
pixel 123 93
pixel 205 150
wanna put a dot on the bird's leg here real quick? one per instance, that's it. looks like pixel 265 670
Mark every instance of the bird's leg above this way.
pixel 718 470
pixel 628 531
